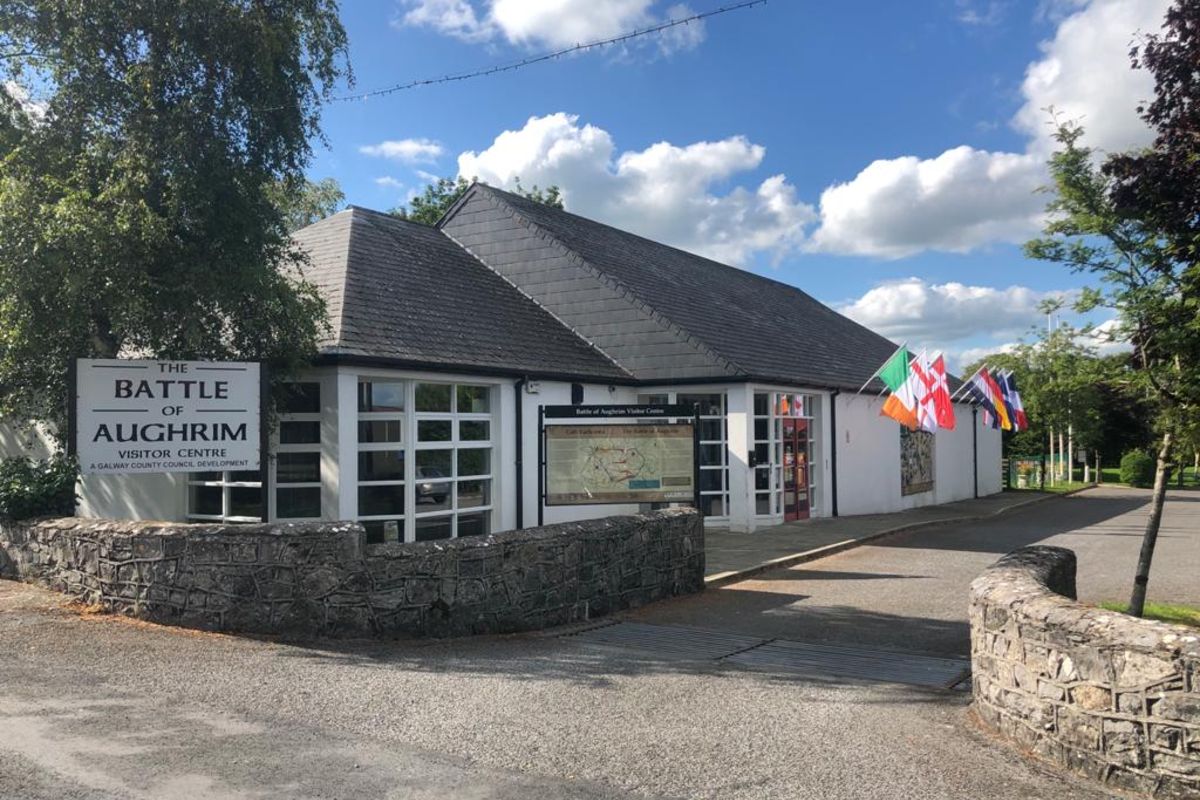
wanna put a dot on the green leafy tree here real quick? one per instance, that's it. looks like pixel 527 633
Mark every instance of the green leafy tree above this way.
pixel 304 202
pixel 136 188
pixel 1148 280
pixel 436 198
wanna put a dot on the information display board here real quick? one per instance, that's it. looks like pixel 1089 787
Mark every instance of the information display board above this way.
pixel 138 416
pixel 620 463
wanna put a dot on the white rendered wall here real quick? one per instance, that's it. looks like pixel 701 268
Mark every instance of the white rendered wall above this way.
pixel 868 455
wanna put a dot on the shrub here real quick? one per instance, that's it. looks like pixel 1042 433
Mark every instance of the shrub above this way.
pixel 1137 469
pixel 30 488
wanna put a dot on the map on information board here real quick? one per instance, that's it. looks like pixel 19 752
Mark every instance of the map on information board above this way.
pixel 588 464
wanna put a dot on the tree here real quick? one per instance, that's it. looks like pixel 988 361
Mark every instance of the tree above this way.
pixel 136 212
pixel 303 202
pixel 1147 279
pixel 437 197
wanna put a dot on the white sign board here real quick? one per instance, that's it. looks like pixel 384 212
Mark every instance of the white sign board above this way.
pixel 635 463
pixel 166 416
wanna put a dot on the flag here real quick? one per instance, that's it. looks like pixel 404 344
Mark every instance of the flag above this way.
pixel 901 405
pixel 1006 398
pixel 925 384
pixel 977 389
pixel 995 397
pixel 1020 422
pixel 943 405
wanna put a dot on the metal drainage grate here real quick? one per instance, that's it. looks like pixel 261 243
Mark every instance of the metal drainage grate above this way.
pixel 820 661
pixel 667 641
pixel 836 661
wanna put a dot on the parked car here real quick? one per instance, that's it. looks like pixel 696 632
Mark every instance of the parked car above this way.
pixel 427 489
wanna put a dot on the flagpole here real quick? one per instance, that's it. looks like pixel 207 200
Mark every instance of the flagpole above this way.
pixel 881 366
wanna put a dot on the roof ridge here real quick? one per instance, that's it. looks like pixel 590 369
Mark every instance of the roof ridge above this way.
pixel 439 232
pixel 618 286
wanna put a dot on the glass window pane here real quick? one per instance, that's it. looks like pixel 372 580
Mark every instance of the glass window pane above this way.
pixel 712 455
pixel 434 463
pixel 474 431
pixel 380 430
pixel 473 525
pixel 653 399
pixel 762 404
pixel 434 430
pixel 434 528
pixel 472 494
pixel 388 530
pixel 762 453
pixel 474 400
pixel 762 504
pixel 380 396
pixel 713 505
pixel 710 480
pixel 245 476
pixel 377 501
pixel 474 462
pixel 206 500
pixel 434 495
pixel 710 404
pixel 298 503
pixel 762 429
pixel 204 477
pixel 298 467
pixel 762 479
pixel 299 433
pixel 245 501
pixel 302 398
pixel 712 430
pixel 433 397
pixel 381 465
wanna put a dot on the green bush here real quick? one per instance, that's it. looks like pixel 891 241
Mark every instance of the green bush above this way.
pixel 30 488
pixel 1137 469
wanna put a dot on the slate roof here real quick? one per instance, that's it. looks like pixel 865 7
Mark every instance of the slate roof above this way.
pixel 761 328
pixel 402 293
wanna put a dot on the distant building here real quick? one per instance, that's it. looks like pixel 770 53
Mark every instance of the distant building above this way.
pixel 420 417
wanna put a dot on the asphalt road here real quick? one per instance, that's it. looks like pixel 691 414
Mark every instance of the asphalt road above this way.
pixel 93 707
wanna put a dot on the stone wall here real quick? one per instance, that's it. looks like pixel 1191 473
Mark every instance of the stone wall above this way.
pixel 322 579
pixel 1105 695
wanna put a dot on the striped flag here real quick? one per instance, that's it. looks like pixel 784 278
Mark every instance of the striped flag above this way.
pixel 902 381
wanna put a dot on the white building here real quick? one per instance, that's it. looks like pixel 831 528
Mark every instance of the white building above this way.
pixel 421 416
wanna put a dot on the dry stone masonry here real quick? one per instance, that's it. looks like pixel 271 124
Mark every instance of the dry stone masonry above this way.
pixel 322 579
pixel 1105 695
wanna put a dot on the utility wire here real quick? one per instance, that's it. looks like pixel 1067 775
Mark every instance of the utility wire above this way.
pixel 525 62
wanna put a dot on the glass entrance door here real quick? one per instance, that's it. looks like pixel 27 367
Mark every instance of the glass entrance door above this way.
pixel 795 469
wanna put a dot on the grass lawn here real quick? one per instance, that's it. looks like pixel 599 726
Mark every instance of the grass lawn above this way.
pixel 1163 612
pixel 1191 479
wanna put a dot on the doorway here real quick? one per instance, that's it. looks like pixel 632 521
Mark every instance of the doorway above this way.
pixel 795 469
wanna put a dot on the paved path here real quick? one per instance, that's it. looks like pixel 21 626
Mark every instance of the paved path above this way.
pixel 726 551
pixel 92 707
pixel 909 591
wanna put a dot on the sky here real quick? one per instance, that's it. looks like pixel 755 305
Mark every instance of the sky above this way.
pixel 884 157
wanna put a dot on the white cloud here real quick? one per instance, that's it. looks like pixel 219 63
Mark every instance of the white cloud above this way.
pixel 926 314
pixel 664 192
pixel 956 202
pixel 967 198
pixel 1085 75
pixel 983 13
pixel 406 151
pixel 388 182
pixel 551 23
pixel 34 110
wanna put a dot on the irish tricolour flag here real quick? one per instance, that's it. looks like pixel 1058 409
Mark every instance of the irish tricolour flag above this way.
pixel 905 386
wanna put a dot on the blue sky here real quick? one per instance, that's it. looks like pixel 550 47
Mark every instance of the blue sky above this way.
pixel 882 156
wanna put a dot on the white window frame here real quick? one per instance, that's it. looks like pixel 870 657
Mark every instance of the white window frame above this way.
pixel 774 444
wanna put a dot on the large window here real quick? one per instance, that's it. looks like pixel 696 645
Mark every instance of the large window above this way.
pixel 298 454
pixel 426 460
pixel 225 496
pixel 237 496
pixel 714 446
pixel 770 408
